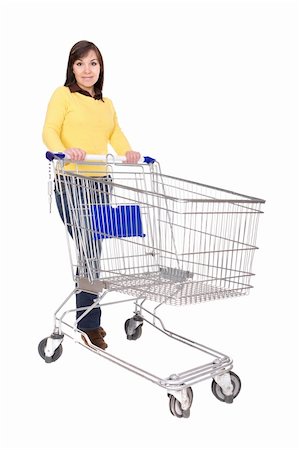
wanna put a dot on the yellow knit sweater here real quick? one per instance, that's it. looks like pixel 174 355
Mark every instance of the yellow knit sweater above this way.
pixel 76 120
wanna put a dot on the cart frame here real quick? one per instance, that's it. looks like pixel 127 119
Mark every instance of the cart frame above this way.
pixel 218 254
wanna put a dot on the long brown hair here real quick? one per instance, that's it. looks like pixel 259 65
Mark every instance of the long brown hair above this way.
pixel 79 50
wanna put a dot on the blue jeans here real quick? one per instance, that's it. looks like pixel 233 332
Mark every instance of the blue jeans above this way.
pixel 84 299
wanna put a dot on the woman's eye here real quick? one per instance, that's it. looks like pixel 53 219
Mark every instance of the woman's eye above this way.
pixel 94 63
pixel 78 64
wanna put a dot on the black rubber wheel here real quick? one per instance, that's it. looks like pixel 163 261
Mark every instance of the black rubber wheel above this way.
pixel 176 407
pixel 217 391
pixel 41 351
pixel 137 332
pixel 127 325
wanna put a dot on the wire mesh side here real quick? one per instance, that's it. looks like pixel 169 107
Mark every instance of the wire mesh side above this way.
pixel 197 242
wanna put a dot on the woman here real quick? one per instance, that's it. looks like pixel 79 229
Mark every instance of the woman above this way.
pixel 80 120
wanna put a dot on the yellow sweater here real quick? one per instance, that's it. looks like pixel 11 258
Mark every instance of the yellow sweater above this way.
pixel 76 120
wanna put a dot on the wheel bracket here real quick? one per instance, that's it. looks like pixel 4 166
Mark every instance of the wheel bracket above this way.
pixel 182 397
pixel 53 342
pixel 224 381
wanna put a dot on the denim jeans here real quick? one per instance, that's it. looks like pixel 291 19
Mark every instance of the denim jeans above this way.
pixel 84 299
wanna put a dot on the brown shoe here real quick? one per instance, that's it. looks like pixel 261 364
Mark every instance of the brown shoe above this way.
pixel 96 338
pixel 102 332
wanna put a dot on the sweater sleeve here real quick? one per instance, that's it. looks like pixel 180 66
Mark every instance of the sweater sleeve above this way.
pixel 55 115
pixel 117 138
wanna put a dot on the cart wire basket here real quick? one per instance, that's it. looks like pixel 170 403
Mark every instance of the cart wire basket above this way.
pixel 156 238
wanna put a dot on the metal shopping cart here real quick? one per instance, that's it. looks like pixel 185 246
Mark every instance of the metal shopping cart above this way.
pixel 160 240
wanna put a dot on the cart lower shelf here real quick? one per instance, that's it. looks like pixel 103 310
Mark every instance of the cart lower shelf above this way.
pixel 173 291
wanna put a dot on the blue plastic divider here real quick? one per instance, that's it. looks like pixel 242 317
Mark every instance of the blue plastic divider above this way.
pixel 116 222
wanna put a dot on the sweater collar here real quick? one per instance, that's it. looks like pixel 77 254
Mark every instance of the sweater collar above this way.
pixel 75 88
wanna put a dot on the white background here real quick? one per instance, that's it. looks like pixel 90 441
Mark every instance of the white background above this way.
pixel 210 89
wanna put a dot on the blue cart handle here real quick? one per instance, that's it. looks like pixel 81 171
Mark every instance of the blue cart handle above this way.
pixel 103 158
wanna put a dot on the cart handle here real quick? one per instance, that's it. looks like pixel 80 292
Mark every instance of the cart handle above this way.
pixel 143 159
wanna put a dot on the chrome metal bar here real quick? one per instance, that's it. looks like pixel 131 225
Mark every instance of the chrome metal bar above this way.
pixel 156 237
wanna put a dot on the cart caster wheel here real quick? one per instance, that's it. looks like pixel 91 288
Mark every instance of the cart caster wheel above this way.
pixel 217 391
pixel 47 359
pixel 176 407
pixel 133 336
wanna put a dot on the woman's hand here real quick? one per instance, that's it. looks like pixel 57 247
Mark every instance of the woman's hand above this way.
pixel 75 154
pixel 132 157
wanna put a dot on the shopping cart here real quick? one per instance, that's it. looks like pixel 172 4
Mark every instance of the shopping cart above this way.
pixel 160 240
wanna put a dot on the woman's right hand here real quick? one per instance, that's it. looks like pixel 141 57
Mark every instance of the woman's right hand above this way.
pixel 75 154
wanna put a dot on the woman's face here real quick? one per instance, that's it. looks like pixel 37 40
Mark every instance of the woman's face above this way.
pixel 87 71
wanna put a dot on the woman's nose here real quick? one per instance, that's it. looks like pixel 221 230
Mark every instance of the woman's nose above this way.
pixel 87 69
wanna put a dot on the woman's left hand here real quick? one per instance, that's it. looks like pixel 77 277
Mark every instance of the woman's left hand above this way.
pixel 132 157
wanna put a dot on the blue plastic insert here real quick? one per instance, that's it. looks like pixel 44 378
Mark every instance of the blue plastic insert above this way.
pixel 111 222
